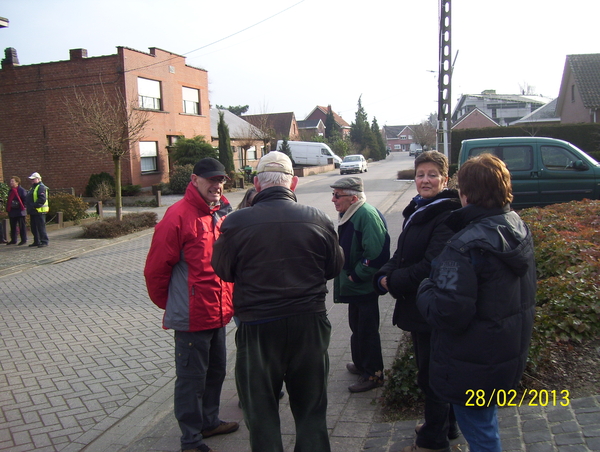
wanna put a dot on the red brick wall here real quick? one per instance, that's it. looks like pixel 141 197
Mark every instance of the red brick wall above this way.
pixel 37 135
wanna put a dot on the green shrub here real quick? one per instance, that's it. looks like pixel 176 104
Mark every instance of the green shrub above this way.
pixel 401 390
pixel 72 207
pixel 164 188
pixel 180 178
pixel 97 179
pixel 131 190
pixel 111 227
pixel 4 189
pixel 567 250
pixel 407 174
pixel 104 191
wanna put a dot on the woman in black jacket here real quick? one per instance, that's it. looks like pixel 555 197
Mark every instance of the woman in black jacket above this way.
pixel 423 237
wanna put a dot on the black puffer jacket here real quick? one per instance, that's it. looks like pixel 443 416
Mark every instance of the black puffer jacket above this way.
pixel 480 301
pixel 422 239
pixel 280 255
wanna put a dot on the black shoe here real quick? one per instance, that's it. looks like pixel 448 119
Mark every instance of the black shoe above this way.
pixel 11 243
pixel 34 244
pixel 22 242
pixel 41 245
pixel 351 367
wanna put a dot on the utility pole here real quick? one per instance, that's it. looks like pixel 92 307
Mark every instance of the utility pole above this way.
pixel 444 79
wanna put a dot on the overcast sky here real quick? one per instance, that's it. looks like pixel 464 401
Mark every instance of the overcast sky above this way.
pixel 291 55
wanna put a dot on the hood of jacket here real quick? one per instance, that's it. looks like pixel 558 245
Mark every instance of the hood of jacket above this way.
pixel 499 231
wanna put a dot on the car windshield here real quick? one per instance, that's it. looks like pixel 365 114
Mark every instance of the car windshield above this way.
pixel 352 158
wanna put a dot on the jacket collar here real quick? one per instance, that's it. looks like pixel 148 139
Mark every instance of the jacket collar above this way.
pixel 471 213
pixel 274 193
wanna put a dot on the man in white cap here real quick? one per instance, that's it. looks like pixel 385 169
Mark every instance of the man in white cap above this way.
pixel 36 202
pixel 280 255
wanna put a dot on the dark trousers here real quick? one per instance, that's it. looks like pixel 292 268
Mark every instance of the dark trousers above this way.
pixel 439 415
pixel 365 342
pixel 38 229
pixel 18 222
pixel 200 366
pixel 291 350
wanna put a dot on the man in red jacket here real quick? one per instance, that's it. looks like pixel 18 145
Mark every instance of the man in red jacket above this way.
pixel 197 303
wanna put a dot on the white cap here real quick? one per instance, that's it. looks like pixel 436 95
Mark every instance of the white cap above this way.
pixel 35 176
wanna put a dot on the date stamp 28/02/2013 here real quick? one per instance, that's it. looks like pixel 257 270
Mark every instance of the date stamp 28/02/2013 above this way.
pixel 542 397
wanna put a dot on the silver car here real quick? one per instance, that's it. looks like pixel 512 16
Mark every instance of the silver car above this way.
pixel 353 164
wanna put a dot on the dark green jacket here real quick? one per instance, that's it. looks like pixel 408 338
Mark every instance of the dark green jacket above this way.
pixel 366 244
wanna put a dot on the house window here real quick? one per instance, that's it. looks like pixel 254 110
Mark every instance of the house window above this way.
pixel 397 147
pixel 251 153
pixel 149 94
pixel 403 137
pixel 191 101
pixel 149 156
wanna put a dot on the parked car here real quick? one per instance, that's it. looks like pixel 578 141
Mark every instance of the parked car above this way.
pixel 543 170
pixel 418 152
pixel 353 164
pixel 411 152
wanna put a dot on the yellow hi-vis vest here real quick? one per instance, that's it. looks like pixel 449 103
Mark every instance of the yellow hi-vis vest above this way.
pixel 45 208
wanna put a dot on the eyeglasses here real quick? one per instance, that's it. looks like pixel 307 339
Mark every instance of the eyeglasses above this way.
pixel 217 179
pixel 338 196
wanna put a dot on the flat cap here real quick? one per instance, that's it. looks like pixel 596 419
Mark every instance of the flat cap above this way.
pixel 349 183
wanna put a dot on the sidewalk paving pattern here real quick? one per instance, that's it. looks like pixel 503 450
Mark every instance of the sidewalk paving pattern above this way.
pixel 85 365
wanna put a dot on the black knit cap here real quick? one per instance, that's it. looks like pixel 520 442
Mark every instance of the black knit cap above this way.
pixel 209 167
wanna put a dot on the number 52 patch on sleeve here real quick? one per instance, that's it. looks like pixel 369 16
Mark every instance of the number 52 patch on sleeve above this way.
pixel 447 275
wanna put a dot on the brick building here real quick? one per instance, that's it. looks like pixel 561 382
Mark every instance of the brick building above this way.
pixel 37 135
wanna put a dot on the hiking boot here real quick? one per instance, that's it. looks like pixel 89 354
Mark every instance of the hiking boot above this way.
pixel 221 429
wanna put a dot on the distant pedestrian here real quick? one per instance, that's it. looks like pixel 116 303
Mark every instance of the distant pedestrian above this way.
pixel 17 211
pixel 247 199
pixel 280 255
pixel 196 301
pixel 480 302
pixel 37 208
pixel 366 243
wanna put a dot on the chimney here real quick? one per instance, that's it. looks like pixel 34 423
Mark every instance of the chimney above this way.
pixel 77 54
pixel 10 58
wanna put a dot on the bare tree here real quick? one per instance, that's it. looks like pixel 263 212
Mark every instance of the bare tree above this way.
pixel 108 125
pixel 425 135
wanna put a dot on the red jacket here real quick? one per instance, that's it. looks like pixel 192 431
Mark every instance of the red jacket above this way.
pixel 178 272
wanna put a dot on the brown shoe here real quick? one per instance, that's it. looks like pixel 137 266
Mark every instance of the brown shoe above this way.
pixel 200 448
pixel 351 367
pixel 363 385
pixel 415 448
pixel 221 429
pixel 453 431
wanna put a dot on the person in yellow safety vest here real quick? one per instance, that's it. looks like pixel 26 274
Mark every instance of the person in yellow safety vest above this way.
pixel 37 208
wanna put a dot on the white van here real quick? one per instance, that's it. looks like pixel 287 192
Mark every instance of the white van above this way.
pixel 311 153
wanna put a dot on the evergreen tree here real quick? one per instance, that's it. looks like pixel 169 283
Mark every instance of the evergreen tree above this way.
pixel 225 152
pixel 380 152
pixel 332 129
pixel 359 127
pixel 285 148
pixel 188 151
pixel 237 110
